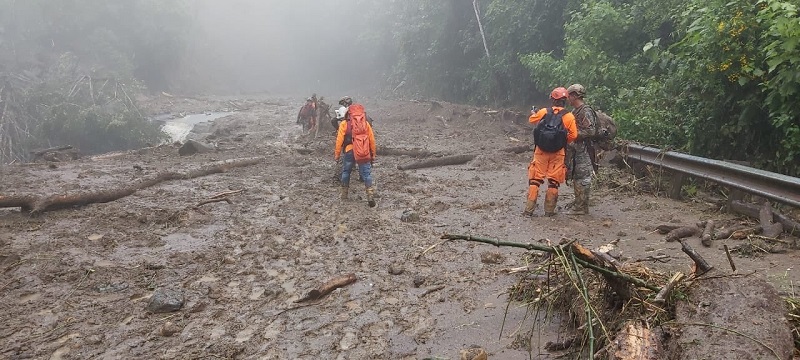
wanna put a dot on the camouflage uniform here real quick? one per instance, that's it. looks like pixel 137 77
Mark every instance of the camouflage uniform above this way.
pixel 579 160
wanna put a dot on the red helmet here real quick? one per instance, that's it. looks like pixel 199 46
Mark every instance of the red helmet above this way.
pixel 559 93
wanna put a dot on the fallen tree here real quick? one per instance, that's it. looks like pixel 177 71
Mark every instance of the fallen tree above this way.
pixel 443 161
pixel 615 327
pixel 39 204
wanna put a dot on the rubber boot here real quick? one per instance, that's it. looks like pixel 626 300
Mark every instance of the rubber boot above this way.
pixel 550 201
pixel 371 196
pixel 581 205
pixel 344 191
pixel 530 207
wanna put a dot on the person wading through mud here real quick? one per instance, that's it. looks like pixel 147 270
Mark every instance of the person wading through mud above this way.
pixel 308 115
pixel 357 141
pixel 555 128
pixel 580 155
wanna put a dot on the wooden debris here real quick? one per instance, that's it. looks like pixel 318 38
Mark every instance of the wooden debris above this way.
pixel 620 286
pixel 328 287
pixel 702 266
pixel 226 194
pixel 636 342
pixel 665 229
pixel 209 201
pixel 745 233
pixel 708 233
pixel 430 290
pixel 789 226
pixel 417 153
pixel 443 161
pixel 765 216
pixel 727 232
pixel 663 295
pixel 39 204
pixel 682 232
pixel 519 149
pixel 730 259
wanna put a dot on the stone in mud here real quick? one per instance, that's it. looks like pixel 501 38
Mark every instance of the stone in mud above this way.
pixel 396 269
pixel 169 329
pixel 418 281
pixel 191 147
pixel 165 300
pixel 489 257
pixel 475 352
pixel 409 216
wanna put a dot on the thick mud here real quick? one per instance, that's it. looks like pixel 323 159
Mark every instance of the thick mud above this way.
pixel 76 282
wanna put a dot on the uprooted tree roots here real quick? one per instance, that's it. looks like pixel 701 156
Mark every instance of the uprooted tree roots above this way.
pixel 625 311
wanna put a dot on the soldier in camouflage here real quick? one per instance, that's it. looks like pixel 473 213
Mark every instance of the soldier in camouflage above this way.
pixel 580 161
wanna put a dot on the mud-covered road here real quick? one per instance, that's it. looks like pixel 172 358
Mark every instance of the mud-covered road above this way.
pixel 76 283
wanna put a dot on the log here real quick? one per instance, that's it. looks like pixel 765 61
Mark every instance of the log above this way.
pixel 39 153
pixel 765 217
pixel 665 229
pixel 708 233
pixel 443 161
pixel 682 232
pixel 417 153
pixel 727 232
pixel 636 342
pixel 700 263
pixel 328 287
pixel 790 226
pixel 40 204
pixel 519 149
pixel 745 233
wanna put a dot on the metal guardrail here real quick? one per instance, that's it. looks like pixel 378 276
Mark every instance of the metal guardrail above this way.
pixel 774 186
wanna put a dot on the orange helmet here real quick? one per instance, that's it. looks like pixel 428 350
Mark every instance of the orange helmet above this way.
pixel 559 93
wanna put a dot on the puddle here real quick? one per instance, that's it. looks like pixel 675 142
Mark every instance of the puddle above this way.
pixel 179 128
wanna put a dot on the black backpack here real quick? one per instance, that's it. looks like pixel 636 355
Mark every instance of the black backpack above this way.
pixel 550 134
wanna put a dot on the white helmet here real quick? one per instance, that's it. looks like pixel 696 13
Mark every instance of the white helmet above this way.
pixel 341 112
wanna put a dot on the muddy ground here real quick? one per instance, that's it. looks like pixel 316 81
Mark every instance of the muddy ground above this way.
pixel 76 282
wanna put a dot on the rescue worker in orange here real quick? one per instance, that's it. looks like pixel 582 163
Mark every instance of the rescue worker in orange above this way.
pixel 344 145
pixel 549 166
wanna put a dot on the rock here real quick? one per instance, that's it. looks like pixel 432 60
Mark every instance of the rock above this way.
pixel 409 216
pixel 165 300
pixel 191 147
pixel 229 260
pixel 489 257
pixel 474 353
pixel 396 269
pixel 349 341
pixel 418 281
pixel 169 329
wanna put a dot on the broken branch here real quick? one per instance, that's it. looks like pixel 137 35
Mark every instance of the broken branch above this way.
pixel 702 266
pixel 209 201
pixel 328 287
pixel 552 250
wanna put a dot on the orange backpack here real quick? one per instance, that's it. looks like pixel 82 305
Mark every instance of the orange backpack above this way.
pixel 357 127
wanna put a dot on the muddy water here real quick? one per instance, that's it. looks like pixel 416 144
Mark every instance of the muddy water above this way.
pixel 180 127
pixel 240 265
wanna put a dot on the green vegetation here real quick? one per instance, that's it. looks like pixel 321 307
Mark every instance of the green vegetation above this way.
pixel 713 78
pixel 70 70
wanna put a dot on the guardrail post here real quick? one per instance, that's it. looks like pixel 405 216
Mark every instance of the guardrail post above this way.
pixel 676 185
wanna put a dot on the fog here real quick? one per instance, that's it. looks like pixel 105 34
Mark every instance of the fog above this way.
pixel 279 46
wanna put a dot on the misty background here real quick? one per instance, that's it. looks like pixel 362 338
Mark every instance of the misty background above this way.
pixel 282 46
